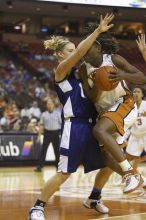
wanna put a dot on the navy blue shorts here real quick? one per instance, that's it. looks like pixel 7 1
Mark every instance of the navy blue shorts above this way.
pixel 78 146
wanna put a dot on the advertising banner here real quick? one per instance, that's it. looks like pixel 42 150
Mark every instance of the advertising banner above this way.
pixel 21 147
pixel 119 3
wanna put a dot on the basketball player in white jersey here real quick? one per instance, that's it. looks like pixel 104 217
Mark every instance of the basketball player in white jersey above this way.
pixel 141 42
pixel 110 48
pixel 136 135
pixel 137 141
pixel 117 109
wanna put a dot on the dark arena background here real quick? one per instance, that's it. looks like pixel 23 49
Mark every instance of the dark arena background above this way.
pixel 27 82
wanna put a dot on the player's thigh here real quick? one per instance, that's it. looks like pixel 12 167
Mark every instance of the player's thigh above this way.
pixel 93 158
pixel 73 145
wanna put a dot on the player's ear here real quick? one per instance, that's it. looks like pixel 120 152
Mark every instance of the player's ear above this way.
pixel 60 54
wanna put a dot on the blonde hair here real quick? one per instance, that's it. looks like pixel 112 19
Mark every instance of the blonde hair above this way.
pixel 56 43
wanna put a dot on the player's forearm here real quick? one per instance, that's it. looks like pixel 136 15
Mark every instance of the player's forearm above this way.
pixel 64 68
pixel 86 44
pixel 93 94
pixel 143 52
pixel 104 25
pixel 89 92
pixel 135 78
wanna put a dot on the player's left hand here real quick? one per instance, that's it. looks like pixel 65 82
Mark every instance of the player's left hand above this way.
pixel 116 75
pixel 141 42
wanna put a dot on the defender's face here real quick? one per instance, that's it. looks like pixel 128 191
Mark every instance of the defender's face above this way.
pixel 137 94
pixel 67 50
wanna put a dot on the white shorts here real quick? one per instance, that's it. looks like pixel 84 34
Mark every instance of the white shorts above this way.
pixel 136 145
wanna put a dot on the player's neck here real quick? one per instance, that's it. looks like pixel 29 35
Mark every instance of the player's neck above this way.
pixel 138 103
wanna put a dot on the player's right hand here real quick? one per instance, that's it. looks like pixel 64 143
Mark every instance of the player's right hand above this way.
pixel 104 23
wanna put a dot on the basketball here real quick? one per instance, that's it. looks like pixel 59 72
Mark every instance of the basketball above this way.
pixel 101 79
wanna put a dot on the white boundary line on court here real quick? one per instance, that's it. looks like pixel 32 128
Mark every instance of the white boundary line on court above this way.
pixel 119 216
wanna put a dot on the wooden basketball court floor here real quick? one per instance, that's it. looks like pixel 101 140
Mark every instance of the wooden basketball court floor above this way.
pixel 20 187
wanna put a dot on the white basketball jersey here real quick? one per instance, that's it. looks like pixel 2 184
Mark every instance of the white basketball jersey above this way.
pixel 109 98
pixel 139 127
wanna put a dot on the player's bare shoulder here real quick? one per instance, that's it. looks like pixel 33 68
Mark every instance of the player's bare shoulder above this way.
pixel 118 60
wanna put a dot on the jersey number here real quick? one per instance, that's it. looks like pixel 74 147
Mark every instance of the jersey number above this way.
pixel 139 121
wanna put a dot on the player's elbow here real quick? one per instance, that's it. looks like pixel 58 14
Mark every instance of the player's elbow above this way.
pixel 138 78
pixel 142 78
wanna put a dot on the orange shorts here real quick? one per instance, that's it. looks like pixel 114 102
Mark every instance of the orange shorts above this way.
pixel 123 114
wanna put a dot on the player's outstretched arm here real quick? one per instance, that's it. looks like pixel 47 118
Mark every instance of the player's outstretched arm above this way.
pixel 65 66
pixel 126 71
pixel 142 45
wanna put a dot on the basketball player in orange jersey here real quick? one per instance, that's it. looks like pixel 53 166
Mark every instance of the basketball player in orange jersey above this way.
pixel 109 46
pixel 136 144
pixel 117 109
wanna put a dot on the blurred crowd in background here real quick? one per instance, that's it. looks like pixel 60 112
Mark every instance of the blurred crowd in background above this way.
pixel 23 95
pixel 27 82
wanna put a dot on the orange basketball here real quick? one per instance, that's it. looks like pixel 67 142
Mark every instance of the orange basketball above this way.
pixel 101 79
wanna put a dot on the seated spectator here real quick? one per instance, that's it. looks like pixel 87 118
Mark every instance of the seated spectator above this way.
pixel 39 91
pixel 24 124
pixel 25 112
pixel 2 91
pixel 11 65
pixel 33 126
pixel 35 110
pixel 5 123
pixel 3 105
